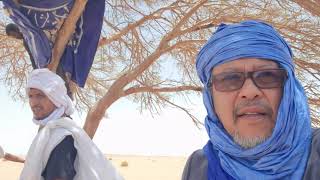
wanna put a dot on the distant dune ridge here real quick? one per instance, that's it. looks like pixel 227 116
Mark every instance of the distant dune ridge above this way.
pixel 130 167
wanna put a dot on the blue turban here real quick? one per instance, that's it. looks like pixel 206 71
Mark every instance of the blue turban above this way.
pixel 284 154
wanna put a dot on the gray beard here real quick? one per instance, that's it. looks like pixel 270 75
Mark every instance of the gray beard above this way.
pixel 248 143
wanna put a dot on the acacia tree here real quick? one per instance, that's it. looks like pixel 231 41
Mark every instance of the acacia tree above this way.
pixel 143 42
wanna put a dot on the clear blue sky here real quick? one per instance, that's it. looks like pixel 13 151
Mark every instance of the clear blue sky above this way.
pixel 125 131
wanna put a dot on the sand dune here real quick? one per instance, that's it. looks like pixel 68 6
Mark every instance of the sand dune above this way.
pixel 130 167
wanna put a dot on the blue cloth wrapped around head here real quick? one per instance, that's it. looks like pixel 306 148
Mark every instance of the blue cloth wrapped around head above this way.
pixel 284 154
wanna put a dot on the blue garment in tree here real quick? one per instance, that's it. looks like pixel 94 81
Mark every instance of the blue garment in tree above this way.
pixel 39 22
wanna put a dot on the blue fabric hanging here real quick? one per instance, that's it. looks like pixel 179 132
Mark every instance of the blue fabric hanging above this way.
pixel 284 154
pixel 39 21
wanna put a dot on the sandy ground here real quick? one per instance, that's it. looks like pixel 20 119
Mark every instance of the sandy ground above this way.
pixel 130 167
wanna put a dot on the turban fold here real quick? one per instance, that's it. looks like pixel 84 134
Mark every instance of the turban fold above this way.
pixel 247 39
pixel 284 154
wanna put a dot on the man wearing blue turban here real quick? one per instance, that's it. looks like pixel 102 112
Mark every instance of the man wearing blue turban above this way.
pixel 258 118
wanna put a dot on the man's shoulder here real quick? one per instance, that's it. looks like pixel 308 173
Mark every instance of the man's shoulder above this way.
pixel 315 146
pixel 315 143
pixel 65 146
pixel 198 157
pixel 67 141
pixel 312 169
pixel 316 134
pixel 196 166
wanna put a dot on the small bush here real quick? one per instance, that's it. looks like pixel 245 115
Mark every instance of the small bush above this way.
pixel 124 164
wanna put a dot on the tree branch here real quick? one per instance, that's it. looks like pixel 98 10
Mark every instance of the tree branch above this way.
pixel 134 90
pixel 193 118
pixel 129 27
pixel 311 6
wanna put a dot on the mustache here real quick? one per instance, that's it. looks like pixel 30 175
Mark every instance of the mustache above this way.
pixel 35 107
pixel 249 103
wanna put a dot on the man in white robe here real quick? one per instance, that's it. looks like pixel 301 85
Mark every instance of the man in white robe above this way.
pixel 61 150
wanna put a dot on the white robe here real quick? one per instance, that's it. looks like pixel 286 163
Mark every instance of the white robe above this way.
pixel 90 163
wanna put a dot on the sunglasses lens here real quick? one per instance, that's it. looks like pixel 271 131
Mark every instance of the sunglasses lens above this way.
pixel 228 81
pixel 265 79
pixel 269 78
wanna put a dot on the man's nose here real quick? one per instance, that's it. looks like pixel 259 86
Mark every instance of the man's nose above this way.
pixel 249 90
pixel 33 102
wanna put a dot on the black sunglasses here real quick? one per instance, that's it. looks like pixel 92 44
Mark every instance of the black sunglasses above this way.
pixel 263 79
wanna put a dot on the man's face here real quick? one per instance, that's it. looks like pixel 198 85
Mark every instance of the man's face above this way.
pixel 40 104
pixel 248 114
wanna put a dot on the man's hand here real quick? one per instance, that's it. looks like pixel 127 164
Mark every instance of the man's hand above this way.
pixel 14 158
pixel 53 66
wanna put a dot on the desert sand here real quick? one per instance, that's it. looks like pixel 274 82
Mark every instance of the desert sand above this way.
pixel 130 167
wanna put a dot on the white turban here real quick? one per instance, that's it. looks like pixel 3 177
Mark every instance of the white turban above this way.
pixel 52 86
